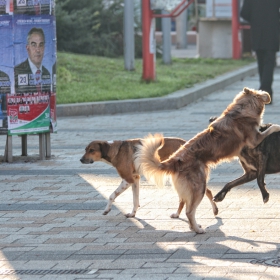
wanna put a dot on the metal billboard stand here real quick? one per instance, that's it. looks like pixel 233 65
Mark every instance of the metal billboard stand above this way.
pixel 44 146
pixel 27 83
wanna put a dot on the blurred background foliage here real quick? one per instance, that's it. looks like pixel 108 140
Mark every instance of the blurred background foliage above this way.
pixel 93 27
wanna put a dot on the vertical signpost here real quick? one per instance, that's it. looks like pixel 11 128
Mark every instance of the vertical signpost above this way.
pixel 236 30
pixel 166 39
pixel 236 44
pixel 28 59
pixel 148 42
pixel 129 35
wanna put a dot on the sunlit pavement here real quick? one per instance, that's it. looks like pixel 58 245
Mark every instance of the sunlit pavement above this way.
pixel 51 219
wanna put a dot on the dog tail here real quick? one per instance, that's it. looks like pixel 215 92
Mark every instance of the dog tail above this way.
pixel 148 160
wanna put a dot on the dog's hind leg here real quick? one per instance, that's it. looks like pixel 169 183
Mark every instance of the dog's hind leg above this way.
pixel 208 194
pixel 193 224
pixel 247 177
pixel 122 187
pixel 191 209
pixel 265 193
pixel 260 179
pixel 179 210
pixel 214 206
pixel 175 183
pixel 135 190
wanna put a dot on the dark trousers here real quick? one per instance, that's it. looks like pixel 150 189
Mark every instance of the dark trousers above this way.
pixel 266 63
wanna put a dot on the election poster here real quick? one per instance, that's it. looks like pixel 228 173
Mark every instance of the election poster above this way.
pixel 6 68
pixel 27 67
pixel 29 105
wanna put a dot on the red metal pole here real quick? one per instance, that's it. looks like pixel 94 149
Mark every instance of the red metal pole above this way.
pixel 236 44
pixel 148 42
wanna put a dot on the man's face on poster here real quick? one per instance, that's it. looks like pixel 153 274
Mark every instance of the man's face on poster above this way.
pixel 36 48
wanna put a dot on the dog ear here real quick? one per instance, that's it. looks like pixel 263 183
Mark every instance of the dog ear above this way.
pixel 265 97
pixel 104 148
pixel 246 90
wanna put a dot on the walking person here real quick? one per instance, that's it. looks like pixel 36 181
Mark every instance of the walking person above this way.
pixel 264 18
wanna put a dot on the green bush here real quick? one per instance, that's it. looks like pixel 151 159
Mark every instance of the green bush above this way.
pixel 91 27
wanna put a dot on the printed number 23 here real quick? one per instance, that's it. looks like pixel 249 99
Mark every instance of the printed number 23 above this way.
pixel 22 80
pixel 21 2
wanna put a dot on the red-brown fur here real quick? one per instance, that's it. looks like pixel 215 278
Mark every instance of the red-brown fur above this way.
pixel 224 138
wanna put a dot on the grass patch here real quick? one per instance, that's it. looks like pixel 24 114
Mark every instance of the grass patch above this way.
pixel 84 78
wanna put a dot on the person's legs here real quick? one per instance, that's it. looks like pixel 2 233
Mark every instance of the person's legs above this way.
pixel 268 65
pixel 260 60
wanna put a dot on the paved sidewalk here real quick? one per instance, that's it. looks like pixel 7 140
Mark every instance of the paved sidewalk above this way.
pixel 51 219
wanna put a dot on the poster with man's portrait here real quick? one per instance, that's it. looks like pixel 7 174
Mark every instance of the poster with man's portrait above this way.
pixel 6 67
pixel 34 44
pixel 29 108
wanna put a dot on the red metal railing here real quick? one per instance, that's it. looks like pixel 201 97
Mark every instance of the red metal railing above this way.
pixel 149 53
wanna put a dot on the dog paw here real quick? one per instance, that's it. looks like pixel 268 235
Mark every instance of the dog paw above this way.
pixel 219 196
pixel 216 211
pixel 105 212
pixel 174 216
pixel 199 229
pixel 276 127
pixel 266 198
pixel 130 215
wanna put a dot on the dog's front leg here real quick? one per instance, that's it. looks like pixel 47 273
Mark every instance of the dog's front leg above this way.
pixel 122 187
pixel 245 178
pixel 135 190
pixel 254 142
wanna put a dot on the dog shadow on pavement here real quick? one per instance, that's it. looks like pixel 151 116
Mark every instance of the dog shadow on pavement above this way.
pixel 215 246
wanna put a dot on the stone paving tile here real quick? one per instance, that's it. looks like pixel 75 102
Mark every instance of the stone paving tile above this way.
pixel 51 211
pixel 116 277
pixel 189 277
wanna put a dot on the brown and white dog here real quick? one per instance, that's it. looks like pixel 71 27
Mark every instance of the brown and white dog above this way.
pixel 121 154
pixel 189 167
